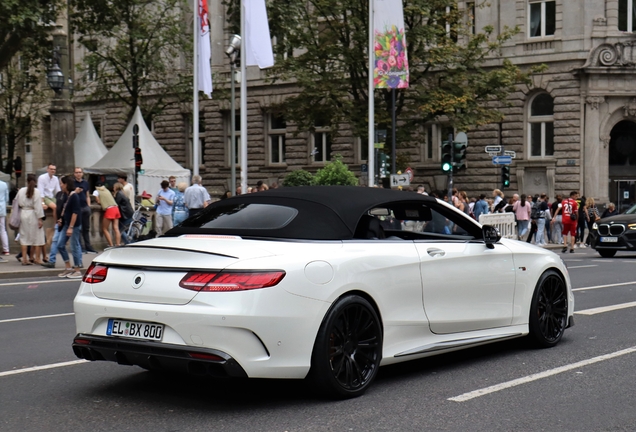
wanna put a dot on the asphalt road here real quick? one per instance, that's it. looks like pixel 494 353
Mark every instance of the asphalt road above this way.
pixel 586 383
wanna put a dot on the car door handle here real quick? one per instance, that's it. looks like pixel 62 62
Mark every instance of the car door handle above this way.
pixel 435 252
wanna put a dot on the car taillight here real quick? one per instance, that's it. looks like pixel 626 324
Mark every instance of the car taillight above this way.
pixel 96 273
pixel 231 281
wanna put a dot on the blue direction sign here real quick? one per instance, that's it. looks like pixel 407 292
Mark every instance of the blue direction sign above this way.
pixel 502 160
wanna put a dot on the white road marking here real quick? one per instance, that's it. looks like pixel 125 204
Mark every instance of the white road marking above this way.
pixel 36 317
pixel 534 377
pixel 58 280
pixel 572 260
pixel 604 286
pixel 44 367
pixel 602 260
pixel 599 310
pixel 583 266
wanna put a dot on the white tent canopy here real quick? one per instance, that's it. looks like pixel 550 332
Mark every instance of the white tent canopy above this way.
pixel 87 145
pixel 157 164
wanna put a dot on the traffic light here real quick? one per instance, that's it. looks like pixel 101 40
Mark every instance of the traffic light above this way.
pixel 459 156
pixel 385 168
pixel 505 176
pixel 447 149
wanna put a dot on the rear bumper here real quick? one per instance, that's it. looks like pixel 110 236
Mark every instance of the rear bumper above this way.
pixel 158 356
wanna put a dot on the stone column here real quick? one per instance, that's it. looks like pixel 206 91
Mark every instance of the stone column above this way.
pixel 596 174
pixel 62 112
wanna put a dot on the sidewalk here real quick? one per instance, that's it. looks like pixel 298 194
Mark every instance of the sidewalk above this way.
pixel 13 269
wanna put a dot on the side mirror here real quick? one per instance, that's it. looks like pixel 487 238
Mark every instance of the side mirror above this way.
pixel 491 235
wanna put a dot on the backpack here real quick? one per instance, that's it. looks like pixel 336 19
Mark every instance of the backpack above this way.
pixel 534 212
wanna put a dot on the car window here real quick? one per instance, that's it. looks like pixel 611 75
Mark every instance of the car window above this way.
pixel 245 217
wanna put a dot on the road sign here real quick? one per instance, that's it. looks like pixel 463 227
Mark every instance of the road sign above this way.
pixel 493 149
pixel 510 153
pixel 409 171
pixel 400 180
pixel 461 138
pixel 501 160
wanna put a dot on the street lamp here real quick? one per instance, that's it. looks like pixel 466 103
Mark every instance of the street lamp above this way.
pixel 55 76
pixel 233 51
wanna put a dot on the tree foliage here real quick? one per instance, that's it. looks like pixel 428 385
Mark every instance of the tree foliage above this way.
pixel 22 99
pixel 298 178
pixel 137 51
pixel 448 76
pixel 26 22
pixel 335 173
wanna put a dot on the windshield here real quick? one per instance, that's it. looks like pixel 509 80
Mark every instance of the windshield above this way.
pixel 244 216
pixel 632 210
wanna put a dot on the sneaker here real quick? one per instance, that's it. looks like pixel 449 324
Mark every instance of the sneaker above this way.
pixel 571 250
pixel 48 264
pixel 65 273
pixel 2 260
pixel 75 275
pixel 6 253
pixel 564 250
pixel 91 252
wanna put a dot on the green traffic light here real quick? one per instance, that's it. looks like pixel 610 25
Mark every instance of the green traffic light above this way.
pixel 446 166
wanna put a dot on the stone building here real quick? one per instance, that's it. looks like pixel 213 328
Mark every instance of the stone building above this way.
pixel 573 129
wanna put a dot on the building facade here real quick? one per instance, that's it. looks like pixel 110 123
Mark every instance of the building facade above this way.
pixel 574 128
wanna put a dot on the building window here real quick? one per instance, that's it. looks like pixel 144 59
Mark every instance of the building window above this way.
pixel 276 133
pixel 541 18
pixel 98 127
pixel 362 149
pixel 470 9
pixel 541 126
pixel 626 15
pixel 237 140
pixel 321 140
pixel 189 146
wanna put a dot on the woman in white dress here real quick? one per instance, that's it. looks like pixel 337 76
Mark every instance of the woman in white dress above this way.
pixel 31 214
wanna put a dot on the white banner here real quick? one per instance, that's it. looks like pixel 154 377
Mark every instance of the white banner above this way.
pixel 203 63
pixel 391 63
pixel 258 43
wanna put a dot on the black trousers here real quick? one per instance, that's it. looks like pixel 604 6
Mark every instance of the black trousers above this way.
pixel 86 228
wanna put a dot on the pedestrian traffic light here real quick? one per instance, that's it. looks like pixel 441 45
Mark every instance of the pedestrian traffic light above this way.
pixel 447 157
pixel 459 156
pixel 505 176
pixel 138 159
pixel 384 164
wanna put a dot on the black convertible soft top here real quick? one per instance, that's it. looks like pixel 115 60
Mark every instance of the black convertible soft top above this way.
pixel 323 212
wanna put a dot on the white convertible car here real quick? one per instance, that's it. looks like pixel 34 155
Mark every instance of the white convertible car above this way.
pixel 322 282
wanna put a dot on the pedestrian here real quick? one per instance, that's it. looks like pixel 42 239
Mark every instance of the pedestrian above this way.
pixel 497 196
pixel 125 211
pixel 48 185
pixel 4 201
pixel 481 207
pixel 172 180
pixel 522 213
pixel 83 191
pixel 70 229
pixel 582 222
pixel 609 211
pixel 569 211
pixel 31 220
pixel 548 219
pixel 60 199
pixel 179 209
pixel 128 189
pixel 542 212
pixel 196 197
pixel 111 214
pixel 592 218
pixel 163 215
pixel 557 220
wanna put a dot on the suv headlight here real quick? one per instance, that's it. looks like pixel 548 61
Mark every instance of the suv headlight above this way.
pixel 594 226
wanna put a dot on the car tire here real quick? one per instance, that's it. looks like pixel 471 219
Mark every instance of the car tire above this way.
pixel 348 349
pixel 549 310
pixel 606 253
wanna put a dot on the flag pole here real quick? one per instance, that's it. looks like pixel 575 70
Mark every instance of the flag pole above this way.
pixel 371 157
pixel 243 107
pixel 195 91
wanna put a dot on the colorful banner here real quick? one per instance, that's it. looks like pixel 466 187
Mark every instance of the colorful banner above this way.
pixel 203 64
pixel 391 63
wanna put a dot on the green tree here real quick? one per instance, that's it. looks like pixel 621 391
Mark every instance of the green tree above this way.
pixel 298 178
pixel 22 22
pixel 335 173
pixel 22 100
pixel 138 52
pixel 448 77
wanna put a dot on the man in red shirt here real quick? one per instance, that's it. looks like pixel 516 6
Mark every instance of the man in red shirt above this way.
pixel 568 208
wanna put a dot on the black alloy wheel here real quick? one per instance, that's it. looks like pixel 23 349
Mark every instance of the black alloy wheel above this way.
pixel 348 349
pixel 549 310
pixel 607 253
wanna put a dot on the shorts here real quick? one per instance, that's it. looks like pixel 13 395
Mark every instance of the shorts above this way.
pixel 112 213
pixel 48 201
pixel 569 226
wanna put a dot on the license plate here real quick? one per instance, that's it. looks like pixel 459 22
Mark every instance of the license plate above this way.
pixel 609 239
pixel 134 329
